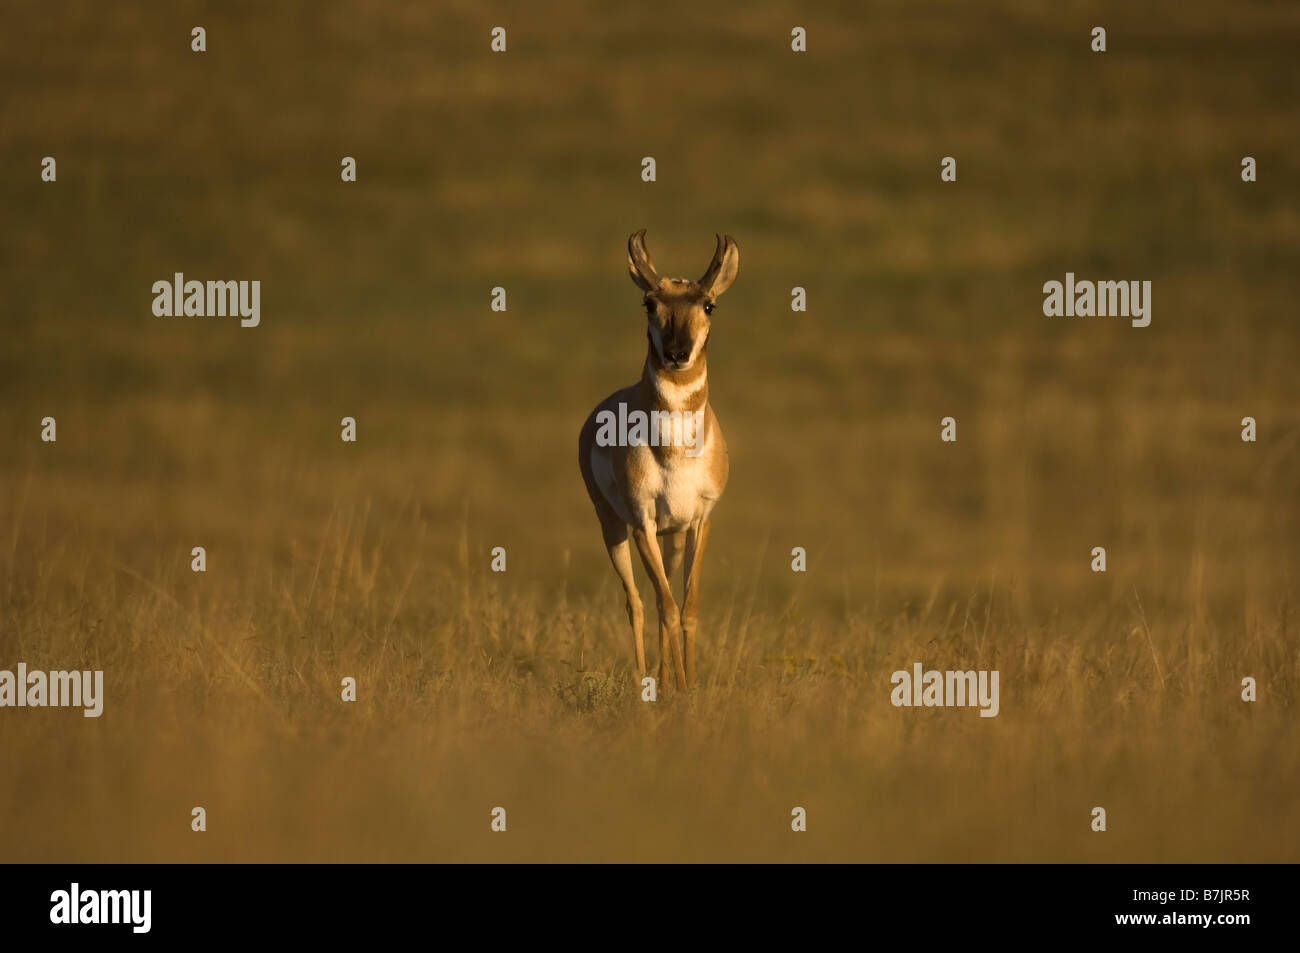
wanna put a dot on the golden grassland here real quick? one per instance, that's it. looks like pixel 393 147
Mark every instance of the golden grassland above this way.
pixel 479 689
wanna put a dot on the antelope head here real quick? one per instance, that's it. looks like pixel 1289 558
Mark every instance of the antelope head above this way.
pixel 678 310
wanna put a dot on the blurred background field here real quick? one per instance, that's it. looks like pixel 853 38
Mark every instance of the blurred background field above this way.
pixel 523 170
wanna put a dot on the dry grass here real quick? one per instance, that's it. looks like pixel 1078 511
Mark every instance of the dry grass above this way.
pixel 481 689
pixel 223 691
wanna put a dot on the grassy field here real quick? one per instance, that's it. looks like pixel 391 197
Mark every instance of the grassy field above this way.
pixel 522 170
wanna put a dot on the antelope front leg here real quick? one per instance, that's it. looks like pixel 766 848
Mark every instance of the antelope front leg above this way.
pixel 620 554
pixel 697 537
pixel 647 542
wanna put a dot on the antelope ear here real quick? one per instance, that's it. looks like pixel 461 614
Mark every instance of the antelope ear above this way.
pixel 639 265
pixel 724 267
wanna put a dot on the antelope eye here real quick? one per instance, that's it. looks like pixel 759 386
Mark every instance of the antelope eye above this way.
pixel 708 307
pixel 649 308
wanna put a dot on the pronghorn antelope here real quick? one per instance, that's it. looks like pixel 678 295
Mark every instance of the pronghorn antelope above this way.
pixel 663 489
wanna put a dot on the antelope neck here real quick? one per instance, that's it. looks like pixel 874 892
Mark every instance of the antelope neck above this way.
pixel 676 390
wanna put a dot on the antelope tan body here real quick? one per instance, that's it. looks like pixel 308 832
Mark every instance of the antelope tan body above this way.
pixel 663 486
